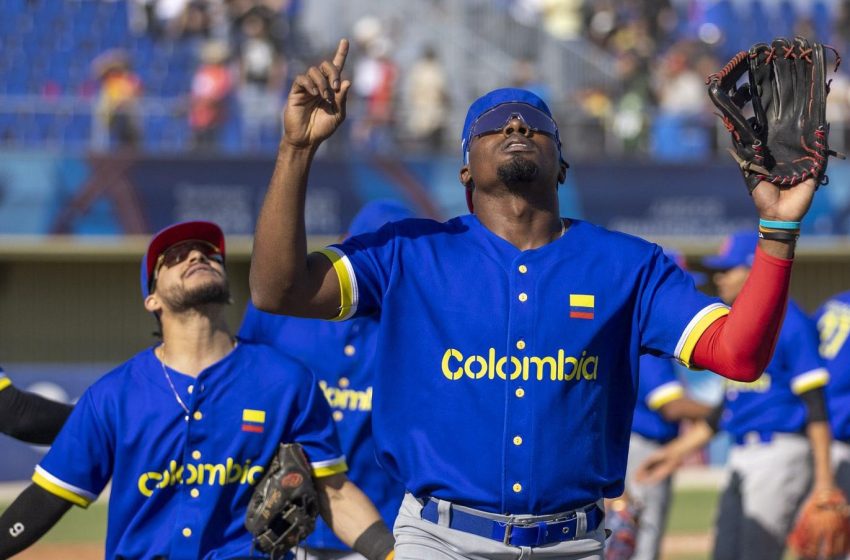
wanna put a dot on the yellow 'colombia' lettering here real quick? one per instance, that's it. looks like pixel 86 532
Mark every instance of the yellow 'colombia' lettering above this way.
pixel 229 472
pixel 760 385
pixel 347 399
pixel 560 367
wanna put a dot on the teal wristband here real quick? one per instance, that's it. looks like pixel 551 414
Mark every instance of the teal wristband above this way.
pixel 774 224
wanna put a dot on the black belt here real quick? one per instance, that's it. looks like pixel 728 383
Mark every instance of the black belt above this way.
pixel 519 532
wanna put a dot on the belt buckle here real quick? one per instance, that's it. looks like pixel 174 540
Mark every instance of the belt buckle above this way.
pixel 538 528
pixel 509 526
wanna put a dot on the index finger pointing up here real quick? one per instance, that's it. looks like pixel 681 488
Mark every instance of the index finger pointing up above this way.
pixel 341 54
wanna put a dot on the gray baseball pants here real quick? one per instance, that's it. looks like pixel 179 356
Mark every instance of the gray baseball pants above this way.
pixel 767 483
pixel 418 539
pixel 653 500
pixel 326 554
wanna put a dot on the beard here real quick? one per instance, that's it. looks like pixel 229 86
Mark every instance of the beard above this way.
pixel 516 173
pixel 181 300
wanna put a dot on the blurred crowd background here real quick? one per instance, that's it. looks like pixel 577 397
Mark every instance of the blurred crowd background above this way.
pixel 623 77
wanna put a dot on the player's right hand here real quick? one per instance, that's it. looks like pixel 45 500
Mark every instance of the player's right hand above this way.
pixel 316 103
pixel 658 466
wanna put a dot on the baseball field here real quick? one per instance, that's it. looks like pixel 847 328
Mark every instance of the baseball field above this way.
pixel 79 535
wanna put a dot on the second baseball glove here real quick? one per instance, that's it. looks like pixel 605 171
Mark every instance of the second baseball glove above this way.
pixel 785 142
pixel 621 522
pixel 284 506
pixel 823 527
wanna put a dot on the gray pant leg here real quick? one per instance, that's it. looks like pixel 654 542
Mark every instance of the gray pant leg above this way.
pixel 840 452
pixel 768 482
pixel 417 539
pixel 652 499
pixel 727 526
pixel 326 554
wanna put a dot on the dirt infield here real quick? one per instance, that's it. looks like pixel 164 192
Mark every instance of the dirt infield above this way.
pixel 685 544
pixel 65 551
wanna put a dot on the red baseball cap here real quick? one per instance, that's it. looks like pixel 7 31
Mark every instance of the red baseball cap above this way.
pixel 172 235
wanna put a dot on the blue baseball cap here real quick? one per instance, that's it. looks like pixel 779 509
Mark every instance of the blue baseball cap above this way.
pixel 678 258
pixel 172 235
pixel 738 249
pixel 376 213
pixel 494 99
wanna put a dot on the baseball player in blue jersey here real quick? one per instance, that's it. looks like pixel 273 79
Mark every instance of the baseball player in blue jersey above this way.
pixel 509 338
pixel 184 429
pixel 778 425
pixel 661 404
pixel 342 356
pixel 833 321
pixel 27 416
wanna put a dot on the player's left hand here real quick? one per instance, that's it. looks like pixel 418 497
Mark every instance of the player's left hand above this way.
pixel 784 203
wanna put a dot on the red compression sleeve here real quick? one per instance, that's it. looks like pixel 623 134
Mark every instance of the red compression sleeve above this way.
pixel 740 345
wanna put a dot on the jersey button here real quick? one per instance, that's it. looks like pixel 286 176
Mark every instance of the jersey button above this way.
pixel 343 382
pixel 520 392
pixel 187 532
pixel 191 388
pixel 349 350
pixel 523 269
pixel 517 487
pixel 520 344
pixel 197 415
pixel 196 454
pixel 195 493
pixel 523 296
pixel 337 415
pixel 517 440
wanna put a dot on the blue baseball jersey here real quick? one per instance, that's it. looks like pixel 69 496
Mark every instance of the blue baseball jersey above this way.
pixel 772 403
pixel 833 321
pixel 658 385
pixel 506 379
pixel 181 483
pixel 342 356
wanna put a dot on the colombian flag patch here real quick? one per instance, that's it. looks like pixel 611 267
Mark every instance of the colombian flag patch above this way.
pixel 581 306
pixel 253 420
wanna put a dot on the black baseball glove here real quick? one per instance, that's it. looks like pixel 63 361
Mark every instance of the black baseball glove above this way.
pixel 785 142
pixel 284 506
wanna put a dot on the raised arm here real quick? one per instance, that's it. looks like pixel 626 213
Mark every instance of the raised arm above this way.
pixel 740 345
pixel 284 278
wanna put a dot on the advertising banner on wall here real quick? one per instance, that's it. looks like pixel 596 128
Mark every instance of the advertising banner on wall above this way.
pixel 111 195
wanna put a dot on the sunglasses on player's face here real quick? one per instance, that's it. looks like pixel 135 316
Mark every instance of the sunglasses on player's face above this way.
pixel 495 119
pixel 176 254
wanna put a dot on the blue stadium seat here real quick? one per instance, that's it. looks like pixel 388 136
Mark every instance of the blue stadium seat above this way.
pixel 822 20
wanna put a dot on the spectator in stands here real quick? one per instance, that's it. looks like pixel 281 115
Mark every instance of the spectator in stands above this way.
pixel 117 104
pixel 427 102
pixel 211 88
pixel 262 69
pixel 374 88
pixel 682 128
pixel 196 21
pixel 630 119
pixel 157 18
